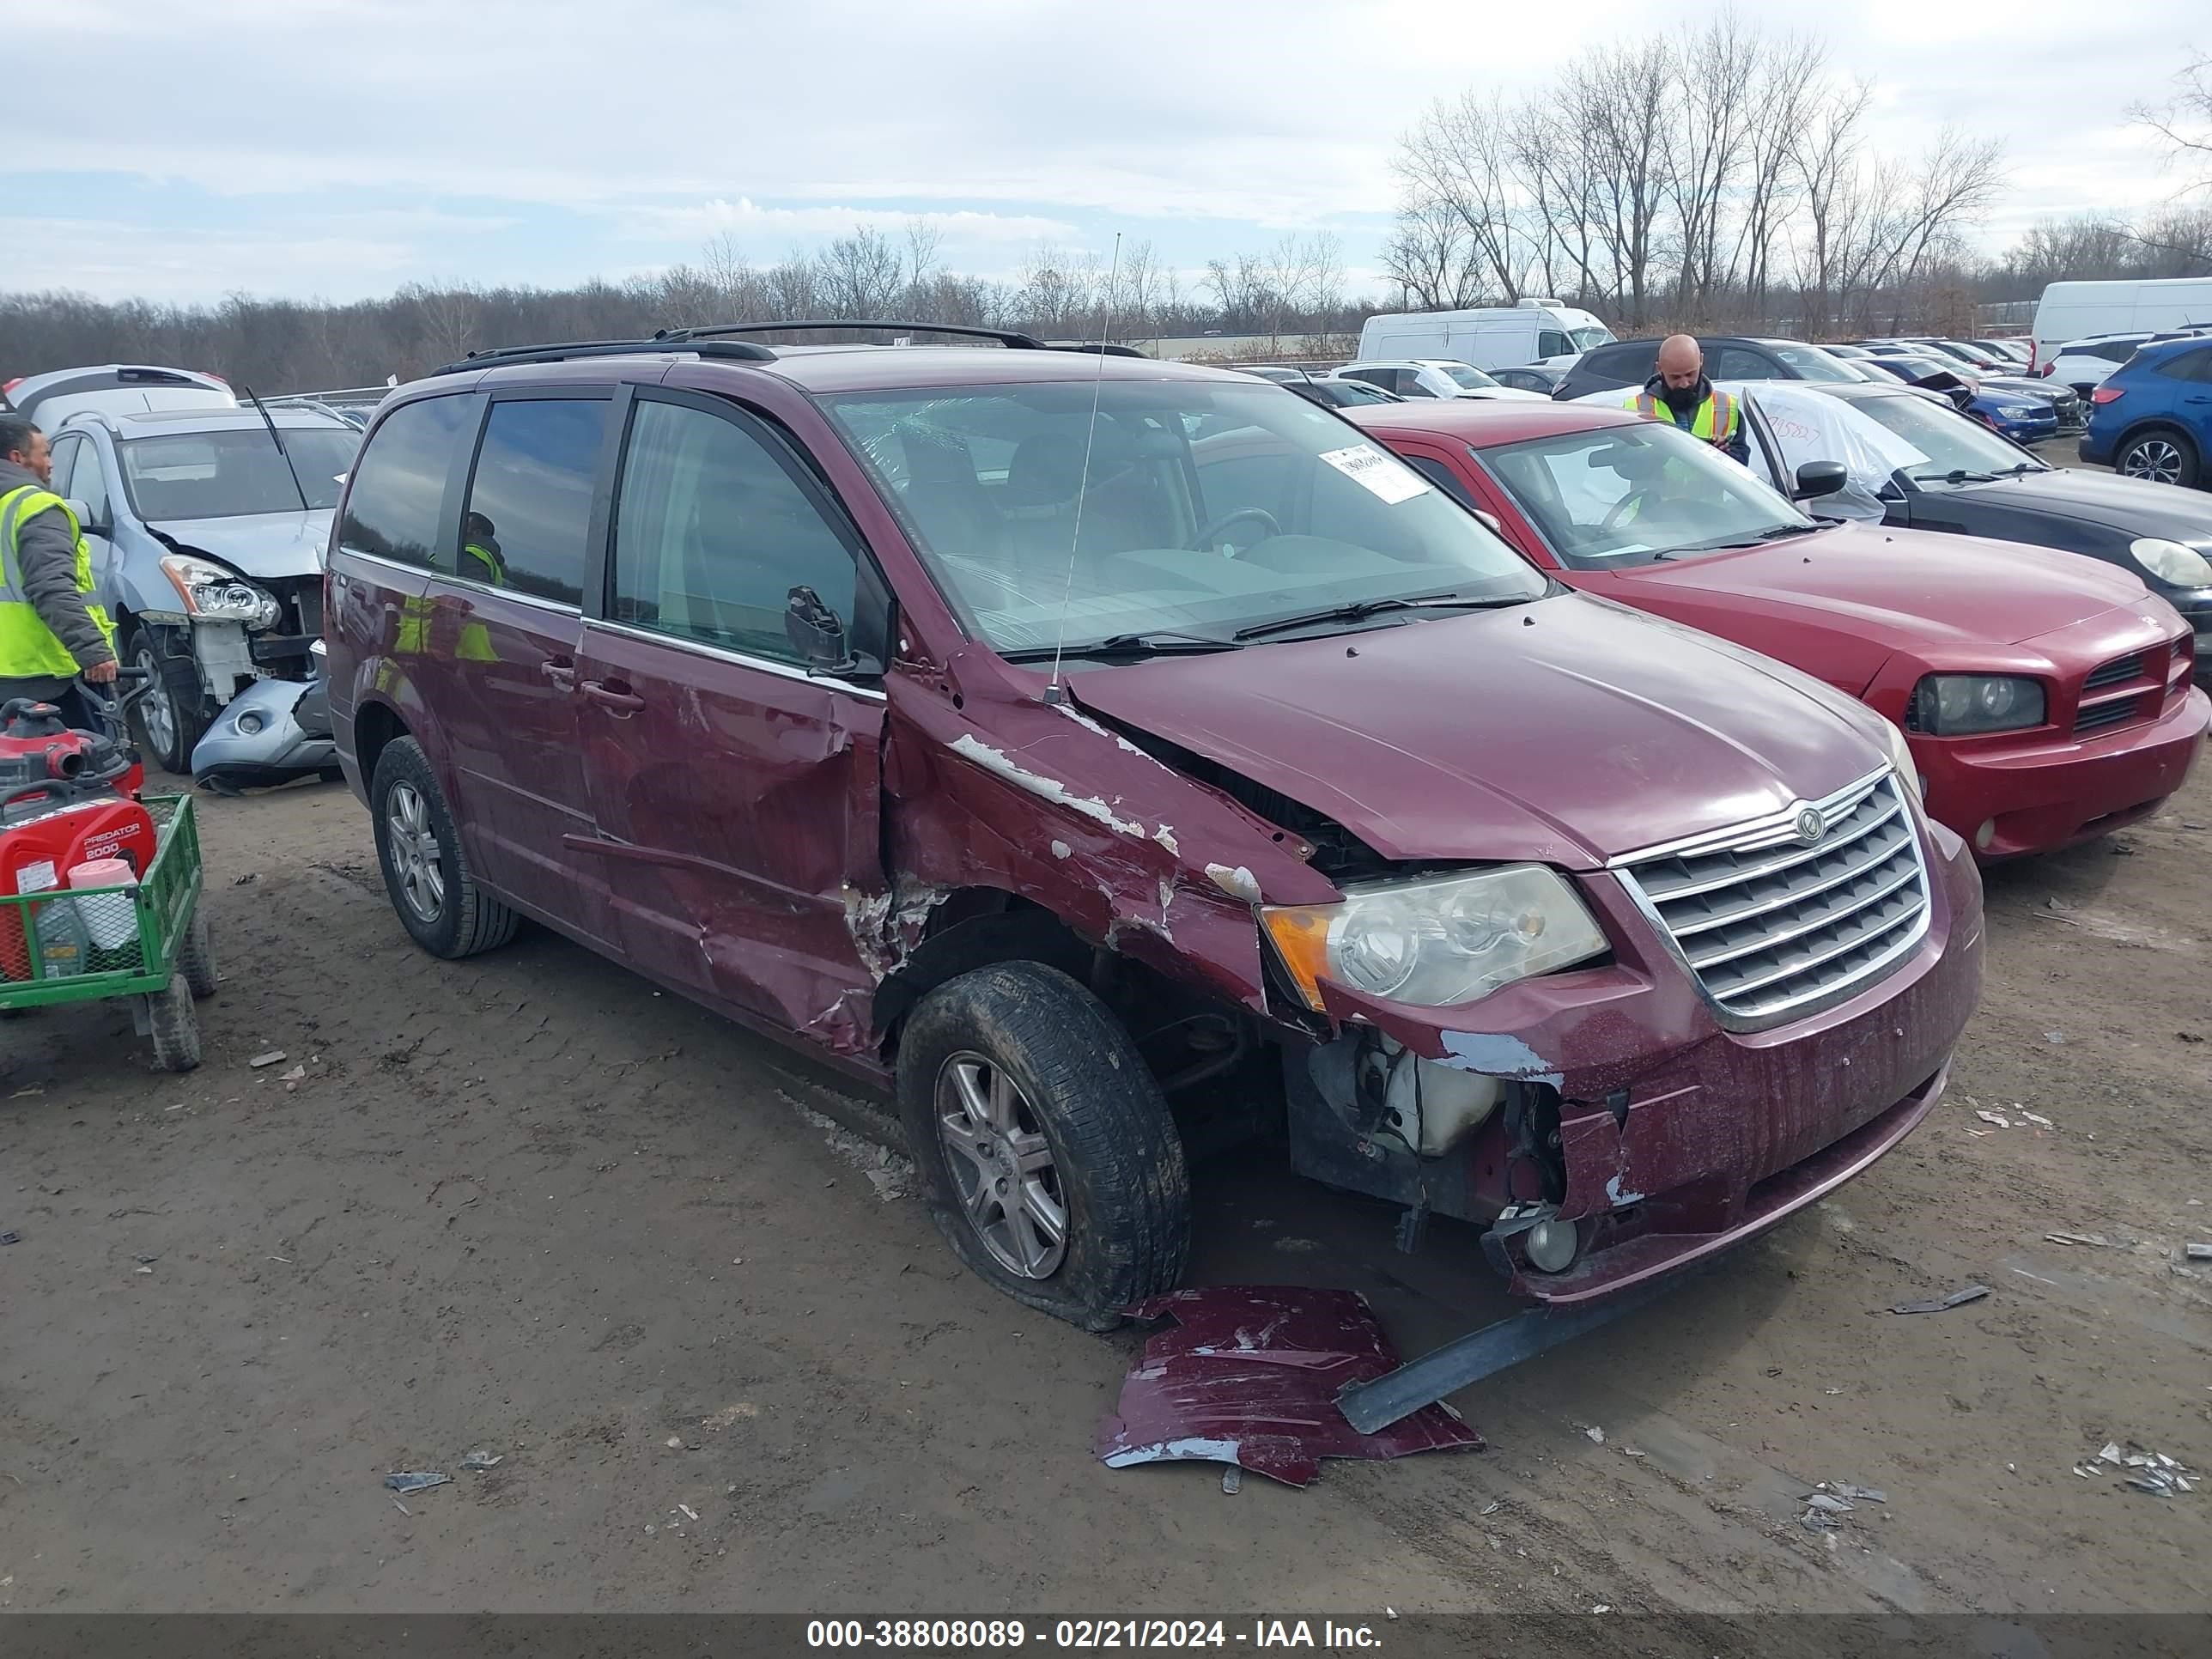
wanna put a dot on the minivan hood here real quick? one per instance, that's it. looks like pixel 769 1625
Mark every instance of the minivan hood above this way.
pixel 1567 732
pixel 2134 506
pixel 265 545
pixel 1904 589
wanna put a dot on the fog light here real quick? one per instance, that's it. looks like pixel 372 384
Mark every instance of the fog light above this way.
pixel 250 724
pixel 1985 835
pixel 1552 1246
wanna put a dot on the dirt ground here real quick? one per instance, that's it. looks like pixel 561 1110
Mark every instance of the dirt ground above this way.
pixel 527 1203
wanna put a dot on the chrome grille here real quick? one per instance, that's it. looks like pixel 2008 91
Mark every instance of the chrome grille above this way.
pixel 1770 923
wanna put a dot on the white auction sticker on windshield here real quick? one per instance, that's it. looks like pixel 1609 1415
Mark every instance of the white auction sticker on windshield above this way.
pixel 1393 480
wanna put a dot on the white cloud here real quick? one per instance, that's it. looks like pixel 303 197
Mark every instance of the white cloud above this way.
pixel 111 258
pixel 1006 122
pixel 746 219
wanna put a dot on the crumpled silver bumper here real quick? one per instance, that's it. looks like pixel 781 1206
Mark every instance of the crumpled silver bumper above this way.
pixel 272 732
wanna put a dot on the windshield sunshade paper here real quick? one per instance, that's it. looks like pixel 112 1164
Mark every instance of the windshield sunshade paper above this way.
pixel 1811 426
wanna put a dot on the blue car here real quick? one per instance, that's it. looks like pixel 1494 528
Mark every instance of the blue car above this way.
pixel 2152 418
pixel 2022 419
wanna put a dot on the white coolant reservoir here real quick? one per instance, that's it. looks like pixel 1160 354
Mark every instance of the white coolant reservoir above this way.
pixel 1453 1104
pixel 1433 1107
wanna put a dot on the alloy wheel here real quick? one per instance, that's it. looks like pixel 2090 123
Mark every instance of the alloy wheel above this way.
pixel 1002 1164
pixel 2154 458
pixel 415 860
pixel 156 713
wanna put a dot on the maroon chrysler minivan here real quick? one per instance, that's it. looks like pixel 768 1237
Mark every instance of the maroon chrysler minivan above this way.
pixel 1120 760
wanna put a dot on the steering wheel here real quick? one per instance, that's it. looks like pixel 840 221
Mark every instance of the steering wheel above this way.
pixel 1621 507
pixel 1205 540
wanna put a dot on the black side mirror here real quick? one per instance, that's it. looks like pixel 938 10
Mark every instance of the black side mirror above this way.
pixel 816 633
pixel 1820 478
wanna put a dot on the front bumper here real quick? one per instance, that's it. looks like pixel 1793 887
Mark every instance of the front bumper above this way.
pixel 1671 1137
pixel 2043 795
pixel 289 736
pixel 2024 428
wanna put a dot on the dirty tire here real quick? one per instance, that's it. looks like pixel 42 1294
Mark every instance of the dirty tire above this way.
pixel 176 1026
pixel 464 918
pixel 1115 1151
pixel 195 956
pixel 172 717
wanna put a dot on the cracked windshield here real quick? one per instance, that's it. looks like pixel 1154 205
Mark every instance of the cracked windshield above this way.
pixel 1206 512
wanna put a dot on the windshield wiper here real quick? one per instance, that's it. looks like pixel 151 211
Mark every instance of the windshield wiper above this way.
pixel 1956 475
pixel 1775 534
pixel 2024 466
pixel 1360 610
pixel 1158 643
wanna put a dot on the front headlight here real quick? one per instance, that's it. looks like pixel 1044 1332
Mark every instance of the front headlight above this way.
pixel 213 594
pixel 2172 562
pixel 1952 705
pixel 1439 941
pixel 1900 756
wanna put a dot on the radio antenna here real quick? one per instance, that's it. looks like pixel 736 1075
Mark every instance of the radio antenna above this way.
pixel 1052 692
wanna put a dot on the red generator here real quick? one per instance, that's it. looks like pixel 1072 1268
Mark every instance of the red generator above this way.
pixel 66 798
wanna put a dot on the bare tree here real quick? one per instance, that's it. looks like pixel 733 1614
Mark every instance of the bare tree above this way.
pixel 2184 122
pixel 1777 105
pixel 1431 258
pixel 861 275
pixel 923 239
pixel 724 265
pixel 1825 158
pixel 446 316
pixel 1458 160
pixel 1702 146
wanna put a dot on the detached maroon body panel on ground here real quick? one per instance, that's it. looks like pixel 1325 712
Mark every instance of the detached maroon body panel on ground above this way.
pixel 1248 1375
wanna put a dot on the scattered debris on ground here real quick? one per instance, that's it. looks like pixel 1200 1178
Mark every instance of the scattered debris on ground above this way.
pixel 2142 1471
pixel 891 1176
pixel 482 1460
pixel 414 1481
pixel 1957 1299
pixel 273 1057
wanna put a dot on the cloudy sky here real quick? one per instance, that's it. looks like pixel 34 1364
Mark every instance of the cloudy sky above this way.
pixel 339 147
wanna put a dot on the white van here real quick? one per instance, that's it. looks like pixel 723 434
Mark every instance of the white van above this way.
pixel 1488 336
pixel 2078 310
pixel 114 388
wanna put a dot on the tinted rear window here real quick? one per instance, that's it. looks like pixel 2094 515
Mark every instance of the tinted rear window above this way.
pixel 530 505
pixel 399 481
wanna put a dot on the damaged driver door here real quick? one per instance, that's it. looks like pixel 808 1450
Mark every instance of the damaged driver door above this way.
pixel 733 729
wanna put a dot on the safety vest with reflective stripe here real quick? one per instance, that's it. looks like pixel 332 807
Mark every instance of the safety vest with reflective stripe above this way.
pixel 29 648
pixel 493 571
pixel 413 638
pixel 1715 419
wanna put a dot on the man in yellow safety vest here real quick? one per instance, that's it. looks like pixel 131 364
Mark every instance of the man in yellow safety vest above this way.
pixel 1681 393
pixel 51 629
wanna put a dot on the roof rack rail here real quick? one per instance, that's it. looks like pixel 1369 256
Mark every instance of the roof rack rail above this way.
pixel 1013 339
pixel 709 342
pixel 499 356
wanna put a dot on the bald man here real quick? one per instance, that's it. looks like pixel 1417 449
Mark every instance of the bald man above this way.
pixel 1681 393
